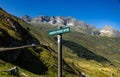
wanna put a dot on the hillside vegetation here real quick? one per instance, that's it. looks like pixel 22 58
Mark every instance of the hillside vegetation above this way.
pixel 86 52
pixel 83 54
pixel 40 60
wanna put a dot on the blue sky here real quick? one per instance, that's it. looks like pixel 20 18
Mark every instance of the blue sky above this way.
pixel 95 12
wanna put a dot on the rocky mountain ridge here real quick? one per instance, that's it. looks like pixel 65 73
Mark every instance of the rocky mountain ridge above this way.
pixel 83 54
pixel 15 33
pixel 74 23
pixel 54 20
pixel 109 31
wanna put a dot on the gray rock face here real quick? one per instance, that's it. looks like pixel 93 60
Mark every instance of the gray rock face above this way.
pixel 109 31
pixel 77 25
pixel 26 18
pixel 55 20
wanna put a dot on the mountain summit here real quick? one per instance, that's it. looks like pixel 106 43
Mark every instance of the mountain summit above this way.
pixel 78 25
pixel 109 31
pixel 35 53
pixel 26 18
pixel 55 20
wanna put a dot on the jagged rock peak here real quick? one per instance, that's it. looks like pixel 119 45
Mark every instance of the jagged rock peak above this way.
pixel 78 25
pixel 109 31
pixel 26 18
pixel 108 28
pixel 54 20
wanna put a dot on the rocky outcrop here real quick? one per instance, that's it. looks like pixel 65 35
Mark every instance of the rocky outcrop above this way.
pixel 62 21
pixel 77 25
pixel 55 20
pixel 26 18
pixel 109 31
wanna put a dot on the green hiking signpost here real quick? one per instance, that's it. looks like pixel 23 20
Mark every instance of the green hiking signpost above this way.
pixel 59 33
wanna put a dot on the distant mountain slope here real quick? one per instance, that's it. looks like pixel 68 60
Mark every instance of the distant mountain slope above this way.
pixel 83 54
pixel 77 41
pixel 37 59
pixel 109 31
pixel 72 22
pixel 76 46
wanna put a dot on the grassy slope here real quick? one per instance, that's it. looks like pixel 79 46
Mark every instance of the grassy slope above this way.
pixel 92 55
pixel 8 36
pixel 104 46
pixel 45 39
pixel 33 61
pixel 89 54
